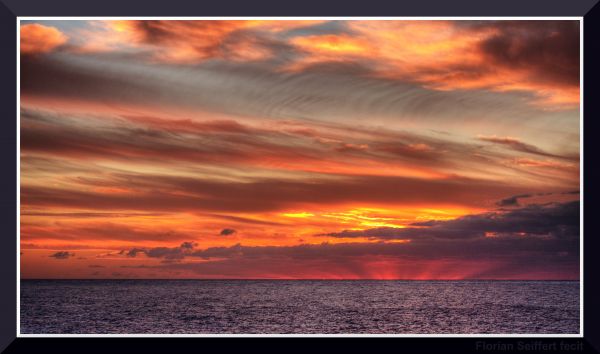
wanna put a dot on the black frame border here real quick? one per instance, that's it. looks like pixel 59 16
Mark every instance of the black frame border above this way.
pixel 11 9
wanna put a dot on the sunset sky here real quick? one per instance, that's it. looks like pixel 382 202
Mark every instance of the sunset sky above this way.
pixel 300 149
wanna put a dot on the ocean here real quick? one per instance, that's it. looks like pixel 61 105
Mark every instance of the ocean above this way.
pixel 298 306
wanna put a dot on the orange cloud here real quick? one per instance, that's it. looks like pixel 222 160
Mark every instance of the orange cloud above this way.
pixel 36 38
pixel 537 57
pixel 330 44
pixel 396 48
pixel 544 163
pixel 444 55
pixel 186 42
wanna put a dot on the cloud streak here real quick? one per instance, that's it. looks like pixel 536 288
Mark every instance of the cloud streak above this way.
pixel 517 145
pixel 268 195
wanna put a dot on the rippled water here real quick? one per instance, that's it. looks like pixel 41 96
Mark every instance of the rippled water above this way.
pixel 267 306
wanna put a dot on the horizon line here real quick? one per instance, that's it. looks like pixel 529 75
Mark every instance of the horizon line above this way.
pixel 301 279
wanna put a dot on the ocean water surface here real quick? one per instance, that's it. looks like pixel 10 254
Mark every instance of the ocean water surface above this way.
pixel 298 306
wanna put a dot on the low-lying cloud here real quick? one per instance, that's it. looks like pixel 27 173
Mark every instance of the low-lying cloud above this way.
pixel 227 232
pixel 558 221
pixel 534 239
pixel 62 255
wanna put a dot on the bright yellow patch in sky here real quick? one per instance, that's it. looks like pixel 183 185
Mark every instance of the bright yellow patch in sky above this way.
pixel 299 215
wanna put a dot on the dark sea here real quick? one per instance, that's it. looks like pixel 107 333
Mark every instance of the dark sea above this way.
pixel 298 306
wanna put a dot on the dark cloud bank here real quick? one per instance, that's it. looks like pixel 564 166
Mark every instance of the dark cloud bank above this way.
pixel 535 238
